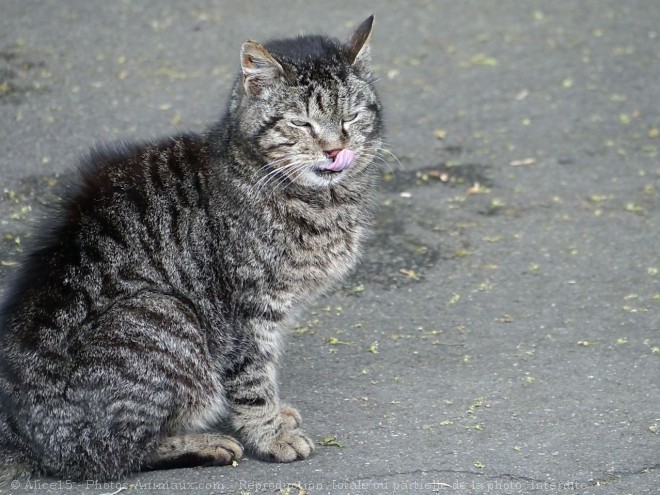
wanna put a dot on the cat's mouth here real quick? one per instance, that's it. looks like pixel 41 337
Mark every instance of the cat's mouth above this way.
pixel 325 172
pixel 338 163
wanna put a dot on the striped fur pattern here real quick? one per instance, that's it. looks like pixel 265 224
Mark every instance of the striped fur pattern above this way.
pixel 152 304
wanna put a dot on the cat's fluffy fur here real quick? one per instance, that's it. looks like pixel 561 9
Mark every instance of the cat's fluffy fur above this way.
pixel 152 305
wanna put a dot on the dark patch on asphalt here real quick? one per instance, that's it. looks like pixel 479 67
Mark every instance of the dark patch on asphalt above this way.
pixel 18 75
pixel 440 174
pixel 392 257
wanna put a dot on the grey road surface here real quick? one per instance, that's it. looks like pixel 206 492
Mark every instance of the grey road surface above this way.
pixel 502 334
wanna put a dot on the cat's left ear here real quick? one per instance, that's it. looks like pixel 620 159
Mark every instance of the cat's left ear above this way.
pixel 357 47
pixel 260 69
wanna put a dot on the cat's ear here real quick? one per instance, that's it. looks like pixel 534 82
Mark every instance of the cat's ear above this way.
pixel 357 46
pixel 260 69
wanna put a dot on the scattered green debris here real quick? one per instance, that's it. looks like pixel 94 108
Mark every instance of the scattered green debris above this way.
pixel 476 404
pixel 409 273
pixel 336 341
pixel 301 330
pixel 625 118
pixel 598 198
pixel 331 442
pixel 534 267
pixel 586 343
pixel 633 208
pixel 480 59
pixel 373 348
pixel 461 253
pixel 485 286
pixel 496 204
pixel 453 300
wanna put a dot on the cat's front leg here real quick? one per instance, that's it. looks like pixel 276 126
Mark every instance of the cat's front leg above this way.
pixel 269 429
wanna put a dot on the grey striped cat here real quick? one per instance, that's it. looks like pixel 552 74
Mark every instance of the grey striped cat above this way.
pixel 152 304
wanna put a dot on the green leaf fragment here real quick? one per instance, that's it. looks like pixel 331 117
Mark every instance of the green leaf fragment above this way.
pixel 330 442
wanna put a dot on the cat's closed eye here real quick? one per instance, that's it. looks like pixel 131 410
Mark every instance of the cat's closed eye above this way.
pixel 300 123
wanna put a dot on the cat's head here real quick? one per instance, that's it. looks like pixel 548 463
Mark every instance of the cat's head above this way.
pixel 308 106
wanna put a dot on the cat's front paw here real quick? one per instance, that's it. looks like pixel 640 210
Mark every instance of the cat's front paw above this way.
pixel 291 416
pixel 289 446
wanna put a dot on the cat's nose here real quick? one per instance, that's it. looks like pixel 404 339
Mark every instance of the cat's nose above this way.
pixel 332 154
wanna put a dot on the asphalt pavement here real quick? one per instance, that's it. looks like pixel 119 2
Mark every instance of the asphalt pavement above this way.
pixel 502 333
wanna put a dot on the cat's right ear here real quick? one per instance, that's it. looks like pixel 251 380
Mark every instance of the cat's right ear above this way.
pixel 260 69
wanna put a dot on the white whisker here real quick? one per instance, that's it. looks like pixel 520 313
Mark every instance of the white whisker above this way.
pixel 295 172
pixel 382 149
pixel 262 183
pixel 281 175
pixel 380 159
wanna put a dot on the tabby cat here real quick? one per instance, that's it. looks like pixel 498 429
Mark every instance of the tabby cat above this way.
pixel 152 305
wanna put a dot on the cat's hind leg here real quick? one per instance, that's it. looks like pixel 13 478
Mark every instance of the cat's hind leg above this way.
pixel 14 464
pixel 195 449
pixel 134 372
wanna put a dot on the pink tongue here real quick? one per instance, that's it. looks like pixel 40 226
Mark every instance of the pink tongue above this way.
pixel 343 160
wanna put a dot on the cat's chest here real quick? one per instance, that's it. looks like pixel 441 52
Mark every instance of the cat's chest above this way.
pixel 333 252
pixel 319 249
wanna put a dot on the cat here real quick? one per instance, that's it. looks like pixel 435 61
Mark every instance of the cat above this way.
pixel 152 305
